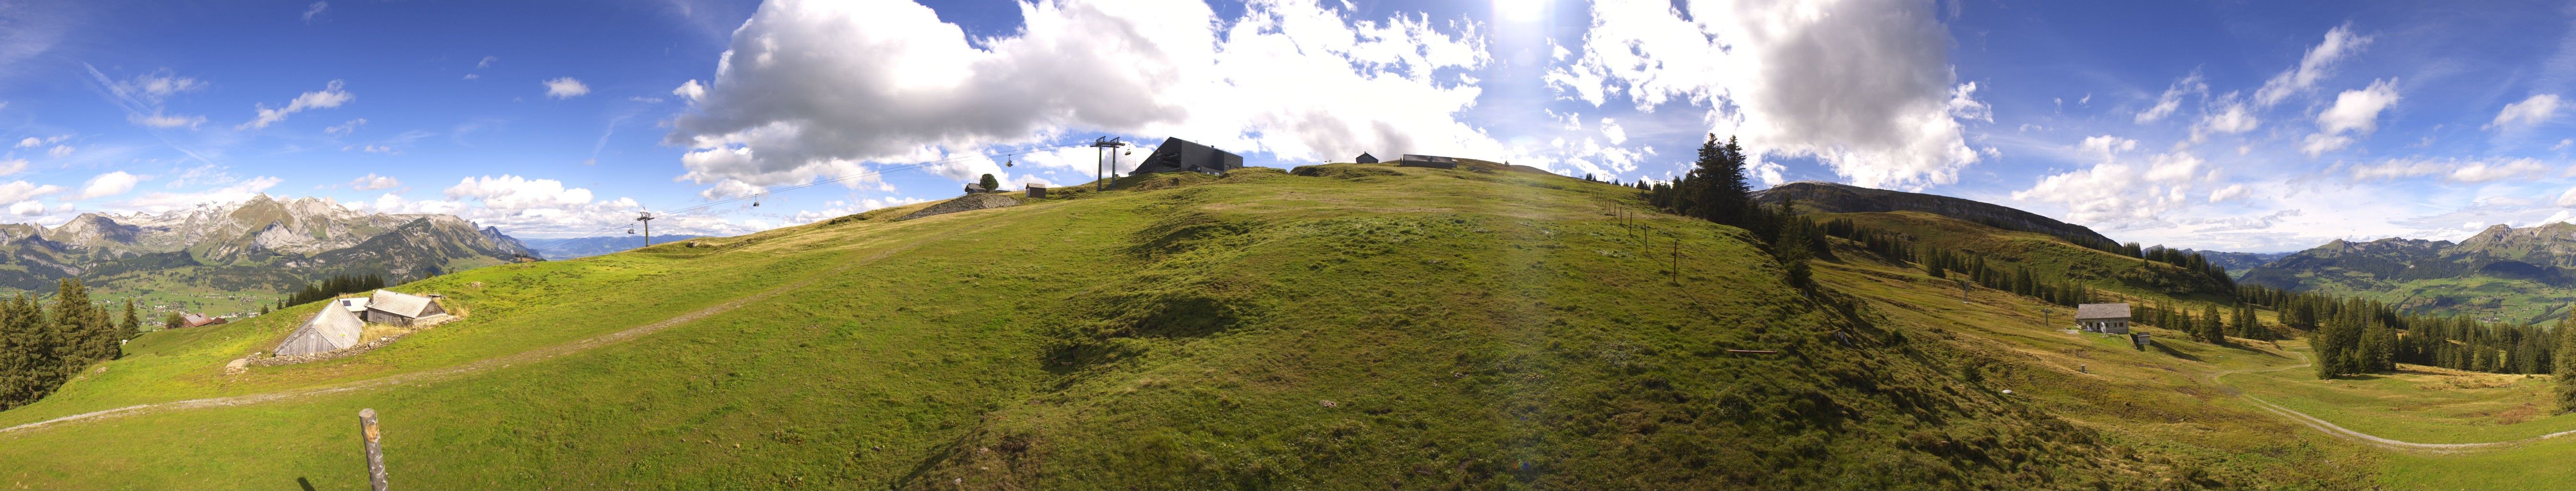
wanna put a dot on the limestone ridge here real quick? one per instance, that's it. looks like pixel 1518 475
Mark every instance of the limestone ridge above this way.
pixel 1826 197
pixel 257 243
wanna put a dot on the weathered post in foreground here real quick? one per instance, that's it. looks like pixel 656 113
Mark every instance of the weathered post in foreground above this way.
pixel 375 449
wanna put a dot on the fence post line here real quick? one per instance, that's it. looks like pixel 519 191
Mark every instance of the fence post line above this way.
pixel 375 448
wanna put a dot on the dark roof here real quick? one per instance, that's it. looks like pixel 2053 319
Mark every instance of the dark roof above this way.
pixel 1176 155
pixel 2102 311
pixel 1365 158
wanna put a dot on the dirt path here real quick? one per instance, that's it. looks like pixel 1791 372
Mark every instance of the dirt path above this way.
pixel 2347 433
pixel 427 376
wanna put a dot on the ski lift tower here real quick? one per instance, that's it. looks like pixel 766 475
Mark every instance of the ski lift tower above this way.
pixel 1102 144
pixel 647 218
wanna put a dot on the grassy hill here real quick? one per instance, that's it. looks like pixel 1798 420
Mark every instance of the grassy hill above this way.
pixel 1347 327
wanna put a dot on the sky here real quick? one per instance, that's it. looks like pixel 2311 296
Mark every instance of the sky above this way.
pixel 2238 126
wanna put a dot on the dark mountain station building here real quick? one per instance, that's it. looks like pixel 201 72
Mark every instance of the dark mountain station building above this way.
pixel 1177 155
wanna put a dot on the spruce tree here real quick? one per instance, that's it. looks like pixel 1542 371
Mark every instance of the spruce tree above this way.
pixel 21 351
pixel 2565 367
pixel 2210 327
pixel 1791 248
pixel 1716 188
pixel 133 325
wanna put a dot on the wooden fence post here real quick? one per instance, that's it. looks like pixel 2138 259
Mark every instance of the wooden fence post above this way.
pixel 375 449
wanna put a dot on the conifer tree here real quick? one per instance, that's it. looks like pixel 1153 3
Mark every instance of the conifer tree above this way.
pixel 2211 329
pixel 133 325
pixel 1792 248
pixel 2565 370
pixel 1718 192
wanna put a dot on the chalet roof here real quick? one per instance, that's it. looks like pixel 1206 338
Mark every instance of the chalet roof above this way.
pixel 328 330
pixel 358 304
pixel 2102 311
pixel 194 320
pixel 397 303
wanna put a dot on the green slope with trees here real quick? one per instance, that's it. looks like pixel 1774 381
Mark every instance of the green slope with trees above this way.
pixel 1341 326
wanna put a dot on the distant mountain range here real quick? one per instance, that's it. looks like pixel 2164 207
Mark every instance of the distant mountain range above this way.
pixel 262 244
pixel 580 247
pixel 2502 273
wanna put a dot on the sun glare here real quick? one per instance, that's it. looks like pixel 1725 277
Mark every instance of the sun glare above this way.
pixel 1519 10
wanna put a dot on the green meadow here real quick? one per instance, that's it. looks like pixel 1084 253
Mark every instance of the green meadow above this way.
pixel 1344 327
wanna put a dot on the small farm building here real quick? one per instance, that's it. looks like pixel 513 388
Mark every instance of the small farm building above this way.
pixel 335 327
pixel 1365 158
pixel 2106 318
pixel 1431 161
pixel 386 307
pixel 195 320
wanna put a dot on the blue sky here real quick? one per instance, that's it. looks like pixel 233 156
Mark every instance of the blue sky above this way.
pixel 2218 125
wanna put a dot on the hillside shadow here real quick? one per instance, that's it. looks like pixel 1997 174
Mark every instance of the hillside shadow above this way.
pixel 2169 351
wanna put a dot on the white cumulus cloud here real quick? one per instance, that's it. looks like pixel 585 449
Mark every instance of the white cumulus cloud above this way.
pixel 2535 110
pixel 565 88
pixel 2230 117
pixel 1863 85
pixel 371 182
pixel 512 193
pixel 818 88
pixel 2121 193
pixel 2354 111
pixel 23 190
pixel 109 184
pixel 691 91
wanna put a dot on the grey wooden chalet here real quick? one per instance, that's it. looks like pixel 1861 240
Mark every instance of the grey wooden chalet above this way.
pixel 1365 158
pixel 336 326
pixel 1037 191
pixel 1178 155
pixel 387 307
pixel 1431 161
pixel 2106 318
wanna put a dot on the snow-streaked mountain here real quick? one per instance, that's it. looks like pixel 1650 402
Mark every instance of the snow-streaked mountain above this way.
pixel 255 244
